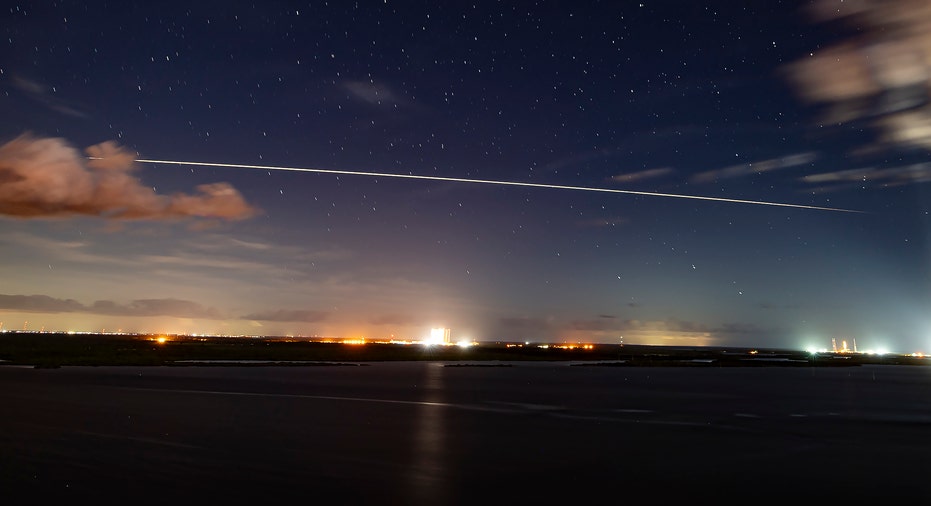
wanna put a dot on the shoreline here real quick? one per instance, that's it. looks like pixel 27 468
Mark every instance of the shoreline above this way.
pixel 49 350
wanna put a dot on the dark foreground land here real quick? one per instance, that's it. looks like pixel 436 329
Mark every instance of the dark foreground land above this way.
pixel 55 350
pixel 428 432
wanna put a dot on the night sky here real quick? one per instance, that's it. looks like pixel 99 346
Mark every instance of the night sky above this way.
pixel 821 104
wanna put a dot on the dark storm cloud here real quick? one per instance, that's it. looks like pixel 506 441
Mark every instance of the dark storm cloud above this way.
pixel 45 177
pixel 288 315
pixel 142 307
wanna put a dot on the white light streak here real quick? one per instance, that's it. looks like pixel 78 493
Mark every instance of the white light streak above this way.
pixel 500 183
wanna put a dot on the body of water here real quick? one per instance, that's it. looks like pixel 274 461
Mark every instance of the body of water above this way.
pixel 429 433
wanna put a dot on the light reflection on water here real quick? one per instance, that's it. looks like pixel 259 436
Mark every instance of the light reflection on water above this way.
pixel 428 473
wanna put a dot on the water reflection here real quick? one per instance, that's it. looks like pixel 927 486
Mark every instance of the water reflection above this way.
pixel 429 473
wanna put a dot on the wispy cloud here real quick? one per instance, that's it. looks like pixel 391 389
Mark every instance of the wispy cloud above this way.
pixel 44 95
pixel 372 93
pixel 632 177
pixel 196 258
pixel 155 307
pixel 45 177
pixel 748 169
pixel 141 307
pixel 58 250
pixel 288 315
pixel 201 262
pixel 869 176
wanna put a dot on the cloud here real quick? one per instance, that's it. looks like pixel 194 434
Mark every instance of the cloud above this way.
pixel 288 315
pixel 881 76
pixel 45 177
pixel 911 128
pixel 39 92
pixel 631 177
pixel 838 176
pixel 374 94
pixel 892 176
pixel 155 307
pixel 748 169
pixel 40 304
pixel 142 307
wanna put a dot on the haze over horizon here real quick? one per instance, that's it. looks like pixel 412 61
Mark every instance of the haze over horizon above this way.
pixel 820 104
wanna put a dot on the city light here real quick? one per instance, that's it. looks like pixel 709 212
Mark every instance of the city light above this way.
pixel 438 335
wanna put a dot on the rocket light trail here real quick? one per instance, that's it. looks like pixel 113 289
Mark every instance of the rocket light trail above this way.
pixel 501 183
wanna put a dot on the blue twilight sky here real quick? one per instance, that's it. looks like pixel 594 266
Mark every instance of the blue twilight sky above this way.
pixel 819 103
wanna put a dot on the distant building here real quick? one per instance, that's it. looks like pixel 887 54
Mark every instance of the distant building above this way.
pixel 439 336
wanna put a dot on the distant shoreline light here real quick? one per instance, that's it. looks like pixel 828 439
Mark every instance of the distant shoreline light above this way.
pixel 463 343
